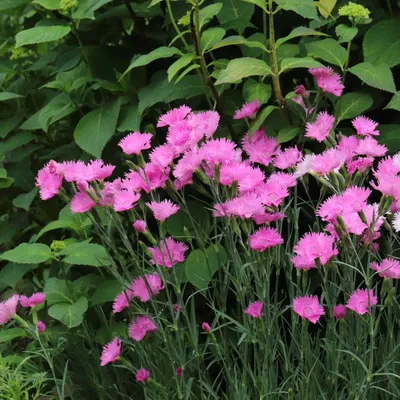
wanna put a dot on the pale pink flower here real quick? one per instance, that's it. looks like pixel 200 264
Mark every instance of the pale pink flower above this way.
pixel 220 210
pixel 135 142
pixel 355 199
pixel 270 194
pixel 163 210
pixel 36 299
pixel 168 253
pixel 179 371
pixel 140 327
pixel 97 170
pixel 265 238
pixel 387 166
pixel 260 148
pixel 244 206
pixel 268 217
pixel 312 246
pixel 205 123
pixel 122 300
pixel 327 80
pixel 360 164
pixel 173 116
pixel 179 136
pixel 218 151
pixel 388 185
pixel 331 208
pixel 396 222
pixel 125 200
pixel 361 300
pixel 319 130
pixel 287 158
pixel 48 181
pixel 40 326
pixel 354 223
pixel 305 166
pixel 142 375
pixel 246 176
pixel 282 179
pixel 81 203
pixel 348 145
pixel 255 309
pixel 206 327
pixel 111 352
pixel 8 308
pixel 140 290
pixel 150 178
pixel 308 307
pixel 365 126
pixel 73 171
pixel 162 155
pixel 139 226
pixel 388 268
pixel 185 167
pixel 370 147
pixel 328 161
pixel 248 110
pixel 340 311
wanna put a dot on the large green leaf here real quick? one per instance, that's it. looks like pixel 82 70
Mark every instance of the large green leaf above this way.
pixel 57 291
pixel 49 4
pixel 389 135
pixel 239 41
pixel 262 116
pixel 24 200
pixel 233 10
pixel 297 32
pixel 86 8
pixel 129 119
pixel 240 68
pixel 325 7
pixel 346 33
pixel 328 50
pixel 179 64
pixel 84 253
pixel 200 267
pixel 351 105
pixel 210 37
pixel 305 62
pixel 105 292
pixel 9 4
pixel 305 8
pixel 15 141
pixel 12 273
pixel 288 133
pixel 95 129
pixel 27 253
pixel 379 77
pixel 9 334
pixel 41 34
pixel 207 13
pixel 69 314
pixel 253 90
pixel 394 104
pixel 9 124
pixel 4 96
pixel 382 43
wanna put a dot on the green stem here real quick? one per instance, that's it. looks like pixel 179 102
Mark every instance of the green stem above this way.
pixel 75 32
pixel 347 61
pixel 174 24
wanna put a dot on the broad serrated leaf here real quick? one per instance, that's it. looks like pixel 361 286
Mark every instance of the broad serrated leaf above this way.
pixel 210 37
pixel 4 96
pixel 15 141
pixel 345 33
pixel 262 116
pixel 70 315
pixel 298 32
pixel 305 8
pixel 240 68
pixel 7 125
pixel 239 41
pixel 105 292
pixel 351 105
pixel 287 51
pixel 25 200
pixel 325 7
pixel 179 64
pixel 207 13
pixel 328 50
pixel 41 34
pixel 253 90
pixel 27 253
pixel 379 77
pixel 12 273
pixel 84 253
pixel 57 291
pixel 389 136
pixel 10 4
pixel 9 334
pixel 288 133
pixel 259 3
pixel 394 104
pixel 129 119
pixel 305 62
pixel 95 129
pixel 48 4
pixel 233 10
pixel 382 43
pixel 86 8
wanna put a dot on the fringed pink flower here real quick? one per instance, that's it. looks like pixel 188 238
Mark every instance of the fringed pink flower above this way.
pixel 365 126
pixel 319 130
pixel 265 238
pixel 135 142
pixel 139 287
pixel 287 158
pixel 111 352
pixel 361 301
pixel 329 161
pixel 388 268
pixel 370 147
pixel 41 326
pixel 49 181
pixel 244 206
pixel 340 311
pixel 173 116
pixel 8 308
pixel 168 253
pixel 255 309
pixel 139 226
pixel 143 375
pixel 163 155
pixel 32 301
pixel 163 210
pixel 204 123
pixel 186 166
pixel 327 80
pixel 308 307
pixel 218 151
pixel 125 200
pixel 97 170
pixel 260 148
pixel 82 203
pixel 248 110
pixel 140 327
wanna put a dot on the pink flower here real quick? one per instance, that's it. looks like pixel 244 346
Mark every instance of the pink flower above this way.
pixel 320 129
pixel 206 327
pixel 255 309
pixel 248 110
pixel 204 123
pixel 111 352
pixel 179 371
pixel 388 268
pixel 162 155
pixel 179 137
pixel 327 80
pixel 40 326
pixel 125 200
pixel 150 178
pixel 48 181
pixel 122 300
pixel 360 164
pixel 365 126
pixel 348 145
pixel 270 194
pixel 135 142
pixel 282 179
pixel 173 116
pixel 81 203
pixel 97 170
pixel 287 158
pixel 340 311
pixel 370 147
pixel 186 166
pixel 328 161
pixel 260 148
pixel 331 208
pixel 308 307
pixel 354 223
pixel 163 210
pixel 355 199
pixel 312 246
pixel 244 206
pixel 177 308
pixel 142 375
pixel 139 226
pixel 396 222
pixel 140 327
pixel 304 167
pixel 361 300
pixel 33 301
pixel 265 238
pixel 8 308
pixel 388 185
pixel 168 253
pixel 300 90
pixel 300 101
pixel 139 287
pixel 268 217
pixel 218 151
pixel 73 171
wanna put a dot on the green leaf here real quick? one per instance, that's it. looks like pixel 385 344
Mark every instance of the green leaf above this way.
pixel 129 119
pixel 107 332
pixel 95 129
pixel 328 50
pixel 346 33
pixel 12 273
pixel 7 125
pixel 9 4
pixel 382 43
pixel 9 334
pixel 305 8
pixel 179 64
pixel 233 10
pixel 325 7
pixel 297 32
pixel 210 37
pixel 288 133
pixel 240 68
pixel 70 315
pixel 207 13
pixel 379 77
pixel 57 291
pixel 239 41
pixel 200 267
pixel 253 90
pixel 389 136
pixel 186 71
pixel 27 253
pixel 25 200
pixel 48 4
pixel 305 62
pixel 9 96
pixel 351 105
pixel 142 60
pixel 41 34
pixel 6 183
pixel 262 116
pixel 287 51
pixel 105 292
pixel 84 253
pixel 394 104
pixel 15 141
pixel 3 173
pixel 259 3
pixel 86 8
